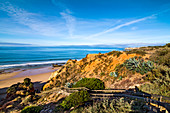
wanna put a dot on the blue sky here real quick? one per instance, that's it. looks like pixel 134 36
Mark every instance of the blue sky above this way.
pixel 84 22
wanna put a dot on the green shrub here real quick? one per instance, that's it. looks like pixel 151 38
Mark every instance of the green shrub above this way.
pixel 137 51
pixel 168 45
pixel 31 109
pixel 120 78
pixel 90 83
pixel 115 53
pixel 119 53
pixel 112 52
pixel 161 57
pixel 12 89
pixel 159 77
pixel 75 99
pixel 160 81
pixel 113 74
pixel 122 105
pixel 31 85
pixel 27 81
pixel 102 73
pixel 68 85
pixel 138 65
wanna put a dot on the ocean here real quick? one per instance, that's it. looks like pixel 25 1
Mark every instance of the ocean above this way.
pixel 19 57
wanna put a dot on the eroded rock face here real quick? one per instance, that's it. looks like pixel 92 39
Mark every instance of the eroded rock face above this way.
pixel 92 66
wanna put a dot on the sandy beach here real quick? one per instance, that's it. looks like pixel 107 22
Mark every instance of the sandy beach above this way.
pixel 38 76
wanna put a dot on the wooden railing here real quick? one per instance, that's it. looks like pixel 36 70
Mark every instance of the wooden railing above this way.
pixel 111 93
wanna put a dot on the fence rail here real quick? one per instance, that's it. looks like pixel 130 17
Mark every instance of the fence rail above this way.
pixel 131 93
pixel 111 93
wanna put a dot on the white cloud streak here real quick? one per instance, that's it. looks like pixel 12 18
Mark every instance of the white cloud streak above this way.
pixel 127 24
pixel 83 30
pixel 31 20
pixel 70 22
pixel 120 26
pixel 66 15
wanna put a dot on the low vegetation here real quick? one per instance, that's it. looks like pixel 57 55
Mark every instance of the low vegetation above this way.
pixel 75 99
pixel 31 109
pixel 90 83
pixel 160 81
pixel 122 105
pixel 159 77
pixel 139 65
pixel 115 53
pixel 161 57
pixel 137 51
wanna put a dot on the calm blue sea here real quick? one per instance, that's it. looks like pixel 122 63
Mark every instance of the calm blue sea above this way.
pixel 11 57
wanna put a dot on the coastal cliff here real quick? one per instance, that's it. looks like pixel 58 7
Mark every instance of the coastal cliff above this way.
pixel 118 69
pixel 108 78
pixel 101 66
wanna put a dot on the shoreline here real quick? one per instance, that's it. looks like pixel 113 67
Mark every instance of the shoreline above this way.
pixel 34 78
pixel 9 69
pixel 39 76
pixel 13 73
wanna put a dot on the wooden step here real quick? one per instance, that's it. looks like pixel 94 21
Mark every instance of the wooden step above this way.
pixel 108 91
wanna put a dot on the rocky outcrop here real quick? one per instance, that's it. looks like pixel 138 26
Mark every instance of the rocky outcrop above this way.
pixel 53 95
pixel 21 89
pixel 17 94
pixel 46 99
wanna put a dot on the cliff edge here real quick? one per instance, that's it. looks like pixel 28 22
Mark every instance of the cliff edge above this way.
pixel 101 66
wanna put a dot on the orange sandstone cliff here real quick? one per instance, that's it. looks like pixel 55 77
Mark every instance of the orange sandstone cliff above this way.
pixel 96 66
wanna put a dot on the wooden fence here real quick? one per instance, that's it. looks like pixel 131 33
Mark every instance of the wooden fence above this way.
pixel 112 93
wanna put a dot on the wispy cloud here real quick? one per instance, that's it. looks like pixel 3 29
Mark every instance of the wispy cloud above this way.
pixel 134 28
pixel 70 21
pixel 31 20
pixel 59 4
pixel 127 24
pixel 65 28
pixel 120 26
pixel 66 15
